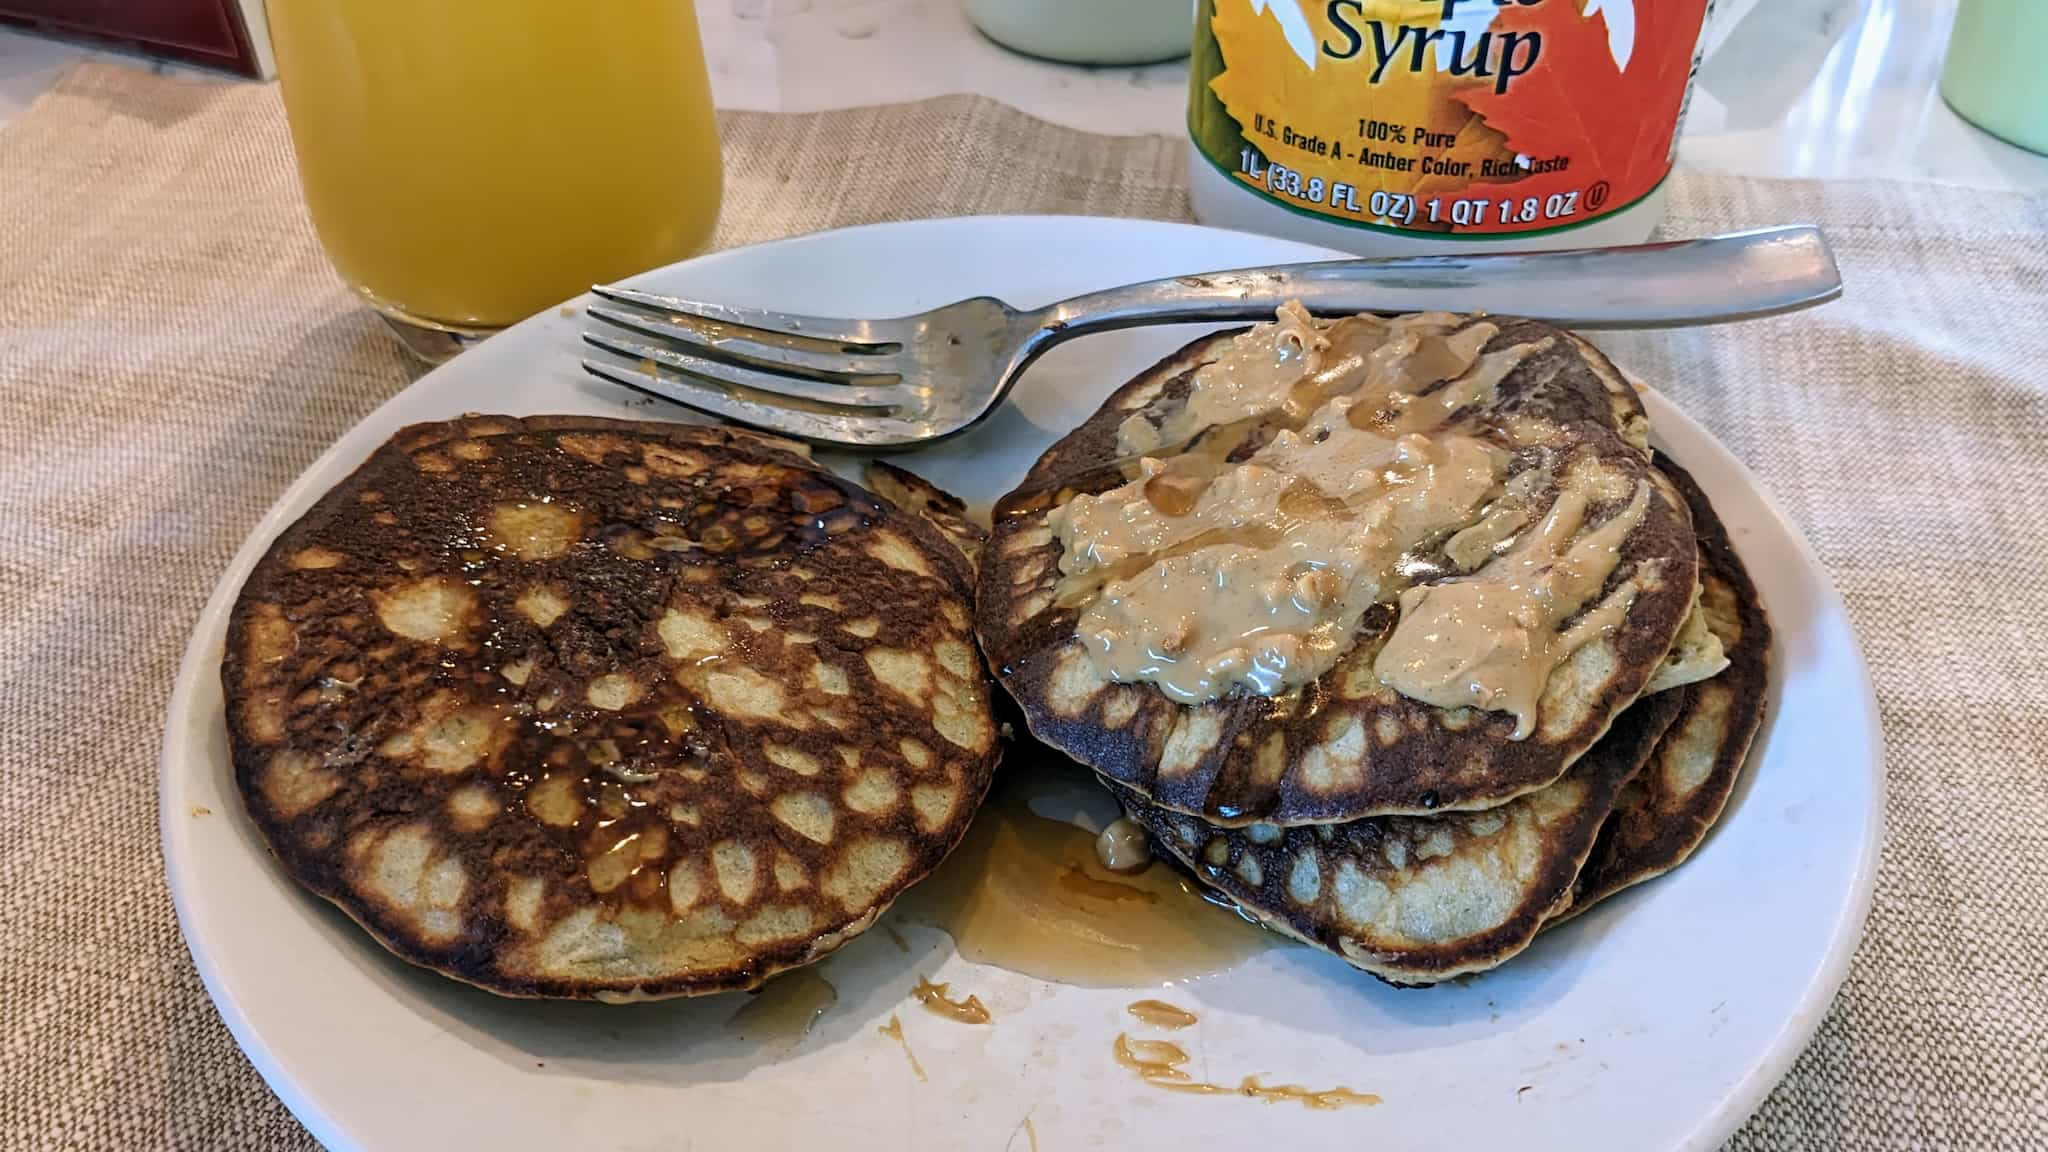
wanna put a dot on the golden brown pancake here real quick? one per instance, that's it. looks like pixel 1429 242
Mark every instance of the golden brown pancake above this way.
pixel 1420 899
pixel 1345 745
pixel 586 708
pixel 1695 655
pixel 913 493
pixel 1667 810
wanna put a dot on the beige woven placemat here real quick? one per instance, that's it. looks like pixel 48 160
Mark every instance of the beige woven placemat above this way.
pixel 174 349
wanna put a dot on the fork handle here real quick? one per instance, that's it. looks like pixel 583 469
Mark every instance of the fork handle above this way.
pixel 1738 276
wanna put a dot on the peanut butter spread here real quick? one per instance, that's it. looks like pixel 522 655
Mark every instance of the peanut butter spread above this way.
pixel 1296 486
pixel 1490 640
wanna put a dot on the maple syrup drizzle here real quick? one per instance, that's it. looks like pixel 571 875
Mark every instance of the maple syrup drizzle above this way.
pixel 1158 1063
pixel 1160 1014
pixel 934 998
pixel 894 1030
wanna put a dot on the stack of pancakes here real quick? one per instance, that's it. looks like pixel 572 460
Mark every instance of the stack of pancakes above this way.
pixel 593 709
pixel 1417 840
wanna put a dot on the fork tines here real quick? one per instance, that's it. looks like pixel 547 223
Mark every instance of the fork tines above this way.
pixel 752 365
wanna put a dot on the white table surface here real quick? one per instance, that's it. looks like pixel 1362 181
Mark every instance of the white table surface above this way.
pixel 1835 89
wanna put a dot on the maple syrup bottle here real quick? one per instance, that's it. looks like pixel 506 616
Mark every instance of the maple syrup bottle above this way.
pixel 1412 127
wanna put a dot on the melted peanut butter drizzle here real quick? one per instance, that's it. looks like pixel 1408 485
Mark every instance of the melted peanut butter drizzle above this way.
pixel 1199 575
pixel 1491 640
pixel 1273 599
pixel 1158 1063
pixel 1085 587
pixel 934 998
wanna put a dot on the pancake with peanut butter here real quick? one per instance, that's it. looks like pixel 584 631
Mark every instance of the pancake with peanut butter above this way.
pixel 1316 571
pixel 1420 899
pixel 584 708
pixel 1667 809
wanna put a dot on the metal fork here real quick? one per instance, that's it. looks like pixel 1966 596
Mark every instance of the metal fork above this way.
pixel 887 385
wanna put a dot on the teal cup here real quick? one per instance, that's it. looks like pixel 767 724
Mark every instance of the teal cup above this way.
pixel 1994 76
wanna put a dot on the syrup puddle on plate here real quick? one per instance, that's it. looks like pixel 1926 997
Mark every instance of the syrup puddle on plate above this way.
pixel 1024 891
pixel 784 1011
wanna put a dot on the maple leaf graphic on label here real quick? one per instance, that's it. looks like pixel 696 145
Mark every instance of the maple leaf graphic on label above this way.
pixel 1604 95
pixel 1293 25
pixel 1620 16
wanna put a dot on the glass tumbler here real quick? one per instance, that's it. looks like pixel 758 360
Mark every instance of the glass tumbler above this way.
pixel 468 163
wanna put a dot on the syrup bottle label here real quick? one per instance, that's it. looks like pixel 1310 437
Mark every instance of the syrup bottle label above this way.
pixel 1445 117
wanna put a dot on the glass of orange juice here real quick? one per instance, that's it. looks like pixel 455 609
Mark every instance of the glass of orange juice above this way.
pixel 468 163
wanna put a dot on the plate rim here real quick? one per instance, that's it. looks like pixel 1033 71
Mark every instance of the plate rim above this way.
pixel 1846 936
pixel 199 661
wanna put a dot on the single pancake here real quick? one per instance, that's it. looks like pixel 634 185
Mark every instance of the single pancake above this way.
pixel 585 708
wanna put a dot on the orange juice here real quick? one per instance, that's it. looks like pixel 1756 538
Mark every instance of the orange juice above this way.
pixel 470 162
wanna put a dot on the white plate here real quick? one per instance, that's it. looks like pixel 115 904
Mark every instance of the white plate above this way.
pixel 1658 1021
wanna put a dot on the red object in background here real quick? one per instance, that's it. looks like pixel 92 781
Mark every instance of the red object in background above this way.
pixel 203 31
